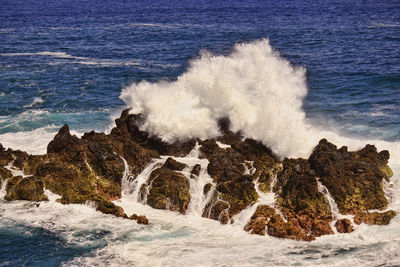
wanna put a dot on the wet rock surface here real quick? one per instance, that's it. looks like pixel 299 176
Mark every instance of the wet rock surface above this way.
pixel 354 179
pixel 92 169
pixel 344 226
pixel 169 189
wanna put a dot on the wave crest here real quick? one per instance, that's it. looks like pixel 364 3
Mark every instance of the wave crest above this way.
pixel 260 92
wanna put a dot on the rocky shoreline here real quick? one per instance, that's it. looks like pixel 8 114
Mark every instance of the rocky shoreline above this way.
pixel 301 199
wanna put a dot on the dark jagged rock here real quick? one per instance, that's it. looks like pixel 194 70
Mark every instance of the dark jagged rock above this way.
pixel 235 190
pixel 207 188
pixel 89 170
pixel 304 207
pixel 297 190
pixel 131 123
pixel 64 141
pixel 5 174
pixel 234 171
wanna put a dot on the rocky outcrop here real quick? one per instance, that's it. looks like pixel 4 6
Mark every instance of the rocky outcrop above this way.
pixel 169 189
pixel 234 169
pixel 80 170
pixel 28 188
pixel 354 179
pixel 92 169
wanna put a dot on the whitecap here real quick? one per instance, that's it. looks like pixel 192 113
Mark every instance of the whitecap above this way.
pixel 36 100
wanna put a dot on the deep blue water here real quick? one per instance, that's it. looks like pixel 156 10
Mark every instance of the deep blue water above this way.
pixel 351 50
pixel 22 245
pixel 76 56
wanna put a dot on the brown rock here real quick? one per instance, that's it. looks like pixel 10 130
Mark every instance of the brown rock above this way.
pixel 260 218
pixel 172 164
pixel 169 190
pixel 28 188
pixel 354 179
pixel 344 226
pixel 195 171
pixel 63 141
pixel 140 219
pixel 380 218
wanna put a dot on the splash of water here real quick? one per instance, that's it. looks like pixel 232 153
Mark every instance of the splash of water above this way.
pixel 260 92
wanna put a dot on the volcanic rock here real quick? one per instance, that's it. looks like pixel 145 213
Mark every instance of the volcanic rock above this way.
pixel 168 190
pixel 354 179
pixel 92 169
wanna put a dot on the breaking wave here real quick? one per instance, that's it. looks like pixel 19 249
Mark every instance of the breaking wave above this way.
pixel 259 91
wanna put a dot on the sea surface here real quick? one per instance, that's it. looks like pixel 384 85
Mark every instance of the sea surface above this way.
pixel 285 72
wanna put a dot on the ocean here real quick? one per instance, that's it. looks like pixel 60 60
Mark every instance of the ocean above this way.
pixel 287 73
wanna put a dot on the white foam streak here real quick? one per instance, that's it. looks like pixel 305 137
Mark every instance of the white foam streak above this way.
pixel 222 145
pixel 45 53
pixel 198 200
pixel 51 196
pixel 3 191
pixel 131 186
pixel 79 60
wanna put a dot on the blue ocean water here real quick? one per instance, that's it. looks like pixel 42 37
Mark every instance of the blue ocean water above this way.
pixel 77 55
pixel 67 61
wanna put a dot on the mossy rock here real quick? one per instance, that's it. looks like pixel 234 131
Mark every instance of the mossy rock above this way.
pixel 5 174
pixel 354 179
pixel 169 190
pixel 297 190
pixel 28 188
pixel 380 218
pixel 260 218
pixel 110 188
pixel 386 171
pixel 239 193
